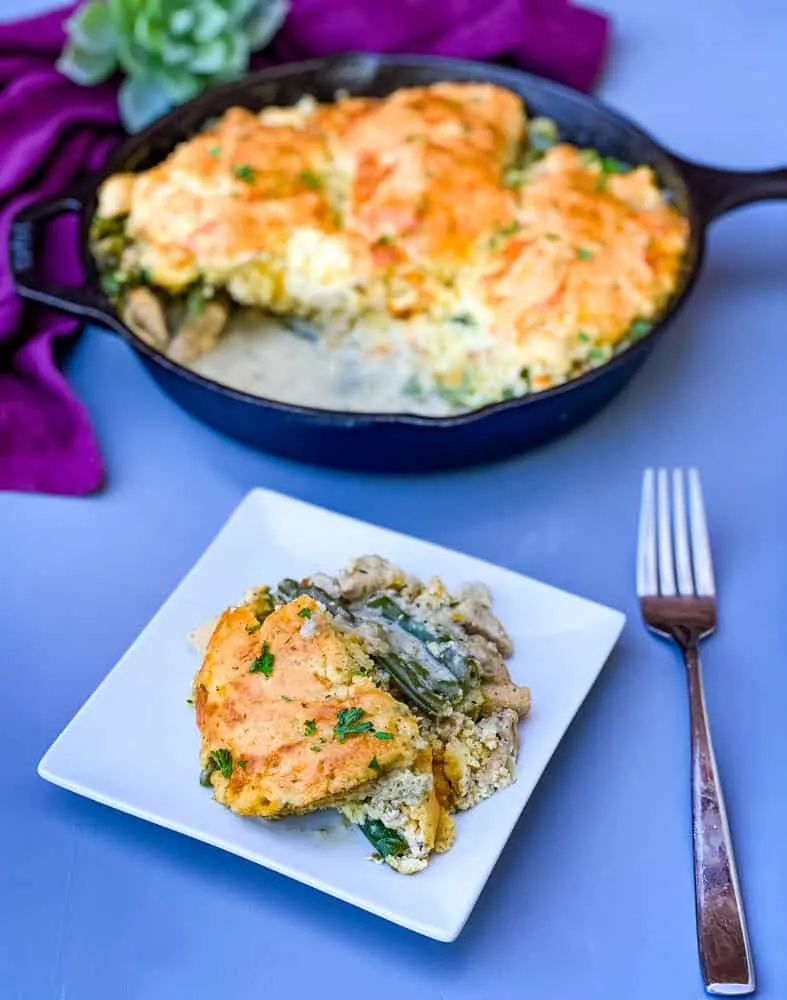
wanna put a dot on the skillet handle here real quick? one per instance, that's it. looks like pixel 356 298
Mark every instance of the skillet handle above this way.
pixel 25 258
pixel 717 191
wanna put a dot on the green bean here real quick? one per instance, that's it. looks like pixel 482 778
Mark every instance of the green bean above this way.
pixel 542 134
pixel 462 667
pixel 385 841
pixel 206 772
pixel 416 684
pixel 108 251
pixel 262 604
pixel 290 589
pixel 391 611
pixel 196 298
pixel 101 227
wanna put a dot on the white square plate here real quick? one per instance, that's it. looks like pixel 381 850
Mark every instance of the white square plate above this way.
pixel 561 643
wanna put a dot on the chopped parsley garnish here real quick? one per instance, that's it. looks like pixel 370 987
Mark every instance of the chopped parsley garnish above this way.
pixel 244 172
pixel 310 180
pixel 583 337
pixel 373 764
pixel 384 241
pixel 222 759
pixel 263 664
pixel 551 236
pixel 382 735
pixel 310 727
pixel 305 613
pixel 189 701
pixel 639 328
pixel 242 763
pixel 457 395
pixel 598 354
pixel 587 157
pixel 214 150
pixel 348 723
pixel 316 749
pixel 513 177
pixel 413 388
pixel 251 629
pixel 464 319
pixel 611 165
pixel 202 687
pixel 510 230
pixel 584 254
pixel 542 134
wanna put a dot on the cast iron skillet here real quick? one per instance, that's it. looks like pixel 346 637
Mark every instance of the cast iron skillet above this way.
pixel 391 442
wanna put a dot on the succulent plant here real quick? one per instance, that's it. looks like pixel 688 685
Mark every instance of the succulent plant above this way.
pixel 169 50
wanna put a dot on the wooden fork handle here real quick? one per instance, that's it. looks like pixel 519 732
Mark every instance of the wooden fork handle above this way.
pixel 721 927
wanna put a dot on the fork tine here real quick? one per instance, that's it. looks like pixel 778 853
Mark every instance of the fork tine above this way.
pixel 700 543
pixel 681 535
pixel 666 569
pixel 647 585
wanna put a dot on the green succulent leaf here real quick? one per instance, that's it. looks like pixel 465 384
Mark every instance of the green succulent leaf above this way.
pixel 237 61
pixel 132 56
pixel 91 28
pixel 177 84
pixel 239 10
pixel 140 101
pixel 86 68
pixel 211 21
pixel 210 57
pixel 181 22
pixel 175 53
pixel 264 22
pixel 149 34
pixel 169 50
pixel 123 15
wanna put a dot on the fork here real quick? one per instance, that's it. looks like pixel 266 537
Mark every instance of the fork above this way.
pixel 677 595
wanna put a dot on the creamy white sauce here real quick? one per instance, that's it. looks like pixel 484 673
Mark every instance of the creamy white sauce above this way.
pixel 259 355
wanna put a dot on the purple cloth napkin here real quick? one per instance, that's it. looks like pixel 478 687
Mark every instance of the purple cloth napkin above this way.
pixel 51 131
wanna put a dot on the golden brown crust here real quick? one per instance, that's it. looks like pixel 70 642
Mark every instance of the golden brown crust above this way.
pixel 589 253
pixel 365 168
pixel 403 207
pixel 265 721
pixel 423 167
pixel 231 193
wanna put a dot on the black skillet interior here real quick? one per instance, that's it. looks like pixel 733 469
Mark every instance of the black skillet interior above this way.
pixel 393 442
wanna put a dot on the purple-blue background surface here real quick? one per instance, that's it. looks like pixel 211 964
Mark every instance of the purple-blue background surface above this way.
pixel 593 896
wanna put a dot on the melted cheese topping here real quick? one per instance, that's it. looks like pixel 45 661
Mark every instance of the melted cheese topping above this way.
pixel 397 211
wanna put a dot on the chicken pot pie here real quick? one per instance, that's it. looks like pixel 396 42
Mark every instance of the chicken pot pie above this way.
pixel 368 692
pixel 437 232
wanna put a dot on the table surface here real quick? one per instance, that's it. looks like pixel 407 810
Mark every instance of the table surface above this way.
pixel 594 892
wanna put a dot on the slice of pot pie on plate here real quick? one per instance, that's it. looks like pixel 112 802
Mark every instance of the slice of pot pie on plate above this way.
pixel 368 692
